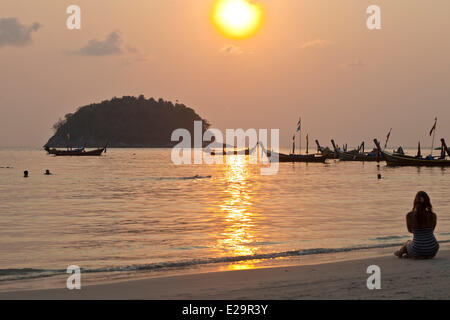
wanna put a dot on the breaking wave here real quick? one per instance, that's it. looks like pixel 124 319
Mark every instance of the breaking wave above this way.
pixel 30 273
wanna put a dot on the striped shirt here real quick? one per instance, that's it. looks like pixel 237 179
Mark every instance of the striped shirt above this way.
pixel 424 244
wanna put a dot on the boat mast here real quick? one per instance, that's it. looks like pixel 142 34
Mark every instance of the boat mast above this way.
pixel 307 143
pixel 444 146
pixel 293 144
pixel 387 138
pixel 434 133
pixel 300 145
pixel 300 134
pixel 299 129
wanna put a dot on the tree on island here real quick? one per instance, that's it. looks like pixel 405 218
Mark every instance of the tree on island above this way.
pixel 124 122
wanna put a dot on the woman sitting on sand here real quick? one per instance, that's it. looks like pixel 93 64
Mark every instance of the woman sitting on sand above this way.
pixel 421 221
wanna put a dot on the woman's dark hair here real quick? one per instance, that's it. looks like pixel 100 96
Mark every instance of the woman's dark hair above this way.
pixel 422 207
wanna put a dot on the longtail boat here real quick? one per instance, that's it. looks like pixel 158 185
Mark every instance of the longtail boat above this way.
pixel 233 151
pixel 367 156
pixel 75 152
pixel 397 160
pixel 405 160
pixel 227 151
pixel 357 154
pixel 300 157
pixel 282 157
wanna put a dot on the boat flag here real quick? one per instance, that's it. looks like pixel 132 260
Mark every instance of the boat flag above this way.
pixel 434 126
pixel 299 124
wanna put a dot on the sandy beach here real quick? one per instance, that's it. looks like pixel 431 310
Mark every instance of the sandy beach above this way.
pixel 400 279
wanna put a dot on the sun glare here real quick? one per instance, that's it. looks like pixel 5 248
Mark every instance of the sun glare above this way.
pixel 237 18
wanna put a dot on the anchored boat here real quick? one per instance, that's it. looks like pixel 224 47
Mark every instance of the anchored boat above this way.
pixel 357 154
pixel 75 152
pixel 405 160
pixel 301 158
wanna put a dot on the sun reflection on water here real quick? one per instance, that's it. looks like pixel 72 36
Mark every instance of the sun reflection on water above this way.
pixel 239 232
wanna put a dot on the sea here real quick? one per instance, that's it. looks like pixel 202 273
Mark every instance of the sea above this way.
pixel 133 213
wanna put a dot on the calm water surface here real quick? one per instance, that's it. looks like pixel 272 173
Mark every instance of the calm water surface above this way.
pixel 133 209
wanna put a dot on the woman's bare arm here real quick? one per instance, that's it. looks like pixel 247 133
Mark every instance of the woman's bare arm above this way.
pixel 434 220
pixel 408 222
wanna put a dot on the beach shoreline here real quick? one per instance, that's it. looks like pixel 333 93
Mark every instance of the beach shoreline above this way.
pixel 341 279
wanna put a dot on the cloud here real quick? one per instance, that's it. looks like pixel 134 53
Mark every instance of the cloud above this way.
pixel 355 64
pixel 113 44
pixel 231 49
pixel 110 46
pixel 317 43
pixel 13 33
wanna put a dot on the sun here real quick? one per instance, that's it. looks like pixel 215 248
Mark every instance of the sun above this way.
pixel 237 18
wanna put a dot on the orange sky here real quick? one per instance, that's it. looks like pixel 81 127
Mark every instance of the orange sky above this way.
pixel 311 58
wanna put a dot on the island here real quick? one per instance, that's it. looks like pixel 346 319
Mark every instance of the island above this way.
pixel 127 122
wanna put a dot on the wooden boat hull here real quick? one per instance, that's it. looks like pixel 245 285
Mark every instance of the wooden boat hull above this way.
pixel 96 152
pixel 301 158
pixel 400 160
pixel 353 156
pixel 332 155
pixel 231 153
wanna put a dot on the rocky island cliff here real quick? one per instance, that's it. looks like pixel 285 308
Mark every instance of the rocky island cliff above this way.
pixel 127 122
